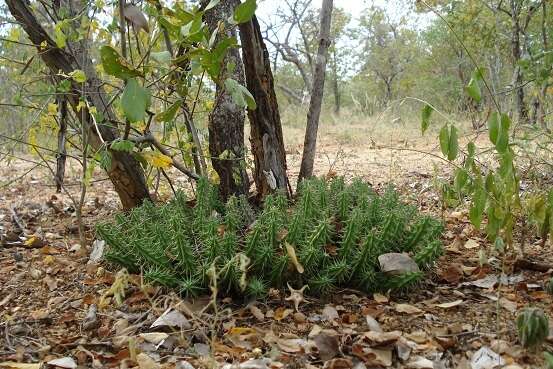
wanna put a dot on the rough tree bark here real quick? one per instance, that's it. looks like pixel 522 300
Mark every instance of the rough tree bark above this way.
pixel 266 130
pixel 335 84
pixel 310 143
pixel 125 173
pixel 61 156
pixel 226 121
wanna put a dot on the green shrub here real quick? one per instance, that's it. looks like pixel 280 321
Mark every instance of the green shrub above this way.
pixel 333 230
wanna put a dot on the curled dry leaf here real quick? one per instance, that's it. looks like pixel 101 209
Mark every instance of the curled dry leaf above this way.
pixel 330 313
pixel 292 255
pixel 172 318
pixel 328 345
pixel 64 362
pixel 449 305
pixel 134 16
pixel 339 363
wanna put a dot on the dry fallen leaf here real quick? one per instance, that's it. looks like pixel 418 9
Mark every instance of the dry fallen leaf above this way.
pixel 292 255
pixel 281 313
pixel 330 313
pixel 154 337
pixel 471 244
pixel 407 309
pixel 172 318
pixel 449 305
pixel 381 299
pixel 328 345
pixel 146 362
pixel 257 313
pixel 13 365
pixel 64 362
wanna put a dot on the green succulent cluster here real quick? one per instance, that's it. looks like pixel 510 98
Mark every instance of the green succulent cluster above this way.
pixel 329 237
pixel 532 327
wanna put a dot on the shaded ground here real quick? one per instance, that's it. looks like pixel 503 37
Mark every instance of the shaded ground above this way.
pixel 49 290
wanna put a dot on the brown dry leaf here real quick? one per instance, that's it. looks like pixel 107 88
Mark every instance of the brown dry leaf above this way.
pixel 146 362
pixel 257 313
pixel 381 299
pixel 339 363
pixel 472 244
pixel 154 337
pixel 64 362
pixel 449 305
pixel 6 299
pixel 50 282
pixel 328 345
pixel 508 305
pixel 135 16
pixel 380 339
pixel 408 309
pixel 330 313
pixel 419 337
pixel 13 365
pixel 372 357
pixel 40 314
pixel 281 313
pixel 291 345
pixel 292 255
pixel 453 273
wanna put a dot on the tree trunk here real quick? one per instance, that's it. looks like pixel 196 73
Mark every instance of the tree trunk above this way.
pixel 310 143
pixel 266 129
pixel 335 85
pixel 226 121
pixel 545 83
pixel 125 173
pixel 61 156
pixel 522 111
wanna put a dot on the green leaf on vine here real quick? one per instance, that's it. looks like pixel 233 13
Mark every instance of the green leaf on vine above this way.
pixel 135 100
pixel 115 65
pixel 425 117
pixel 169 114
pixel 240 94
pixel 444 140
pixel 453 145
pixel 473 87
pixel 244 12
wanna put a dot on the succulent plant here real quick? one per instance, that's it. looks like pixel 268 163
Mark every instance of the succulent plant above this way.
pixel 532 327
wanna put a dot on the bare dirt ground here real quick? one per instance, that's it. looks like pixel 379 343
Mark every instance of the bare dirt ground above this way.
pixel 57 304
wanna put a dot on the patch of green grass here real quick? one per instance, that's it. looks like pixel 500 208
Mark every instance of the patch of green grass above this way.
pixel 330 236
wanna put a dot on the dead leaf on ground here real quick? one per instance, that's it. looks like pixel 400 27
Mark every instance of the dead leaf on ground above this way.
pixel 452 274
pixel 14 365
pixel 407 309
pixel 339 363
pixel 64 362
pixel 381 299
pixel 472 244
pixel 449 305
pixel 281 313
pixel 172 318
pixel 328 345
pixel 330 313
pixel 146 362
